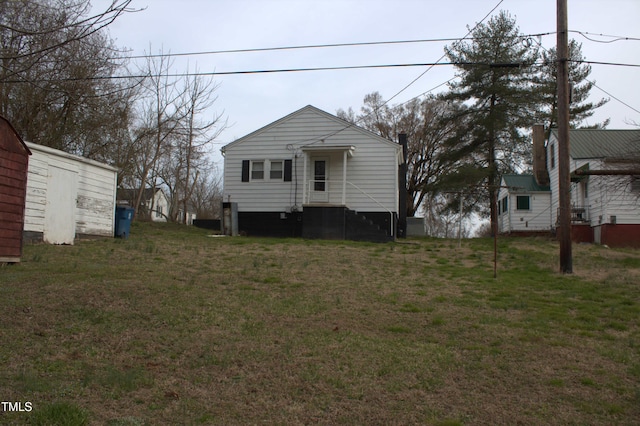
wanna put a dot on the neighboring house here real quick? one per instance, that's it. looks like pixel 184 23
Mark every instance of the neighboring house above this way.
pixel 524 206
pixel 68 197
pixel 154 204
pixel 189 217
pixel 605 185
pixel 14 164
pixel 313 175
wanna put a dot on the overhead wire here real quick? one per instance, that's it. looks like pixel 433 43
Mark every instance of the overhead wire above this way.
pixel 431 66
pixel 615 37
pixel 443 56
pixel 288 70
pixel 594 83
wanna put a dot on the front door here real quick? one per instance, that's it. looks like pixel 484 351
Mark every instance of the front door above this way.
pixel 320 183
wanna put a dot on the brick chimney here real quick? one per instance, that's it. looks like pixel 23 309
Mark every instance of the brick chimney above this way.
pixel 540 171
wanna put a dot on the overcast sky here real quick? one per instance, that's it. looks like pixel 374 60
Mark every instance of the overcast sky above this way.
pixel 255 100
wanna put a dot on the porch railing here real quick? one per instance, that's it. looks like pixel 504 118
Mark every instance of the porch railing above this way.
pixel 315 189
pixel 579 214
pixel 325 191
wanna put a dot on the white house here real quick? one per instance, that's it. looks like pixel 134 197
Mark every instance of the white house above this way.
pixel 605 185
pixel 68 196
pixel 314 175
pixel 524 206
pixel 154 204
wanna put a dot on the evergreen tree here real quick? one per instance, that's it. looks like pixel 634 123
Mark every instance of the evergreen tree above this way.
pixel 580 109
pixel 497 82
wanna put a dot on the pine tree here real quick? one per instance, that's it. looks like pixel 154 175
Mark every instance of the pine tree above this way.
pixel 496 80
pixel 580 109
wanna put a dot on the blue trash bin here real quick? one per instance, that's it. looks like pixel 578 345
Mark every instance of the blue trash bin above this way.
pixel 124 216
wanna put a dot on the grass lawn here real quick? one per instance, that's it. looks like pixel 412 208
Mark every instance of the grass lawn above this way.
pixel 174 327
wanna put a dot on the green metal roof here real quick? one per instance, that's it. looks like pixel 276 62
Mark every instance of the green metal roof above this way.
pixel 603 143
pixel 524 183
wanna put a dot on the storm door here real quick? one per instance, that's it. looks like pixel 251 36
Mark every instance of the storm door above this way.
pixel 319 186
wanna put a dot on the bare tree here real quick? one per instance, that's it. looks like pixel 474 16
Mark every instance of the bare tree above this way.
pixel 429 127
pixel 159 117
pixel 56 64
pixel 198 134
pixel 207 194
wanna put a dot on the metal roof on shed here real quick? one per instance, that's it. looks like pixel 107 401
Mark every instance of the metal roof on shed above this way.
pixel 524 183
pixel 603 143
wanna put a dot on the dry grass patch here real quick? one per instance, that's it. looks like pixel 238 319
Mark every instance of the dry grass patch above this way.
pixel 172 327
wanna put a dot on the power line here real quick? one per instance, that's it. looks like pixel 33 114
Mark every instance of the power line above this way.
pixel 615 64
pixel 286 70
pixel 361 44
pixel 328 68
pixel 349 125
pixel 309 46
pixel 443 56
pixel 594 83
pixel 615 38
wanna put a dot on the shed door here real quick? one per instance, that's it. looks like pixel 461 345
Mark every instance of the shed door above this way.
pixel 60 211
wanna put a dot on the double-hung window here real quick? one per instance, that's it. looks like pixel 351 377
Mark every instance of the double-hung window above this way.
pixel 257 170
pixel 267 170
pixel 276 170
pixel 505 205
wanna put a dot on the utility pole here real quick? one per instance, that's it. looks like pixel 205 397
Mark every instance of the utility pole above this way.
pixel 564 184
pixel 460 222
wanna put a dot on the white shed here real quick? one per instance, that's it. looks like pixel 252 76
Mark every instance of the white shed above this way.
pixel 524 206
pixel 68 197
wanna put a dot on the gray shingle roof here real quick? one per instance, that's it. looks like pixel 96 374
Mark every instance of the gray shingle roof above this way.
pixel 602 143
pixel 524 183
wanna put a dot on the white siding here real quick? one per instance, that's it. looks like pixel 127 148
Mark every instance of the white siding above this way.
pixel 552 151
pixel 537 218
pixel 160 203
pixel 95 193
pixel 612 196
pixel 372 168
pixel 607 195
pixel 504 219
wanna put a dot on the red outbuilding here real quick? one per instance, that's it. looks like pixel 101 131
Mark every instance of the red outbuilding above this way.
pixel 14 161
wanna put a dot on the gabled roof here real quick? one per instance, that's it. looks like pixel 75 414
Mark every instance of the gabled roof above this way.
pixel 12 129
pixel 603 143
pixel 524 183
pixel 343 123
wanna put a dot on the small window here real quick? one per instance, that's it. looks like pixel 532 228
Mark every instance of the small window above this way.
pixel 505 204
pixel 585 189
pixel 276 171
pixel 635 183
pixel 553 156
pixel 523 202
pixel 159 211
pixel 257 170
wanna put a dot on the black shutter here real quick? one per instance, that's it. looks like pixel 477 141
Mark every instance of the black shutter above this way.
pixel 287 170
pixel 245 170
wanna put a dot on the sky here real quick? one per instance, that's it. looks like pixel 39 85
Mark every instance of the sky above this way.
pixel 251 101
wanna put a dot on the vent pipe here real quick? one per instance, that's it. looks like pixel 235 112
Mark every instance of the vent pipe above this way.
pixel 402 188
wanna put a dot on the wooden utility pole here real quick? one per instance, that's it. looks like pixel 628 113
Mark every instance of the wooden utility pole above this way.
pixel 564 178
